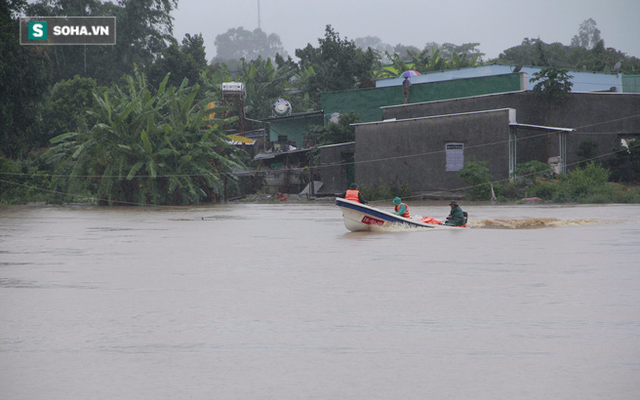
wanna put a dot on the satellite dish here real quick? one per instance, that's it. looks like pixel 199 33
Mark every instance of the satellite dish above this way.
pixel 281 107
pixel 616 68
pixel 334 117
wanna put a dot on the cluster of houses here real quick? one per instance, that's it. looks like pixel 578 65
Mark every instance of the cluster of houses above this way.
pixel 485 113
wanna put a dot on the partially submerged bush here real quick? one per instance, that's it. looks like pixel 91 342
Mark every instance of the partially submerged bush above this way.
pixel 587 184
pixel 476 174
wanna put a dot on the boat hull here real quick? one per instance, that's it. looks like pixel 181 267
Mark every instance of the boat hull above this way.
pixel 361 217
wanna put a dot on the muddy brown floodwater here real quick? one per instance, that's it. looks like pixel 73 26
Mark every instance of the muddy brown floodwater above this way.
pixel 280 301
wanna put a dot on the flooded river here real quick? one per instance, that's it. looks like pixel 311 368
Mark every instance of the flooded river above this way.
pixel 280 301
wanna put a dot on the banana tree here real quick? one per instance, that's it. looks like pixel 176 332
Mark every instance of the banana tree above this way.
pixel 264 83
pixel 147 148
pixel 398 66
pixel 462 60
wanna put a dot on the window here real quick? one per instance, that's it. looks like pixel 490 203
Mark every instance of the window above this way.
pixel 455 157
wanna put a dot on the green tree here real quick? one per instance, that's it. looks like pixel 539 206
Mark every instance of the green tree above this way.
pixel 66 106
pixel 25 77
pixel 461 56
pixel 239 43
pixel 376 44
pixel 523 54
pixel 147 148
pixel 602 59
pixel 264 83
pixel 552 83
pixel 341 131
pixel 397 66
pixel 586 52
pixel 553 86
pixel 588 35
pixel 338 65
pixel 420 61
pixel 432 57
pixel 187 60
pixel 403 51
pixel 463 61
pixel 144 29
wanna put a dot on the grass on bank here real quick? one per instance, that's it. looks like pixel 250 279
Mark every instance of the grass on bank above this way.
pixel 587 184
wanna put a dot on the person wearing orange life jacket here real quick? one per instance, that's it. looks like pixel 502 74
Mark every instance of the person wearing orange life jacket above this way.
pixel 353 194
pixel 401 209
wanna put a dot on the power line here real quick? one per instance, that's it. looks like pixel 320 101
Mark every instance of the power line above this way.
pixel 326 165
pixel 73 195
pixel 501 141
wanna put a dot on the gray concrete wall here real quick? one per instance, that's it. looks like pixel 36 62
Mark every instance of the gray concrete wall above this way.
pixel 594 116
pixel 333 171
pixel 579 110
pixel 413 151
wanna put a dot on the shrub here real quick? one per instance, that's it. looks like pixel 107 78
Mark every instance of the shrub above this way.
pixel 528 174
pixel 584 185
pixel 510 191
pixel 587 180
pixel 625 166
pixel 476 174
pixel 23 181
pixel 532 170
pixel 587 150
pixel 546 190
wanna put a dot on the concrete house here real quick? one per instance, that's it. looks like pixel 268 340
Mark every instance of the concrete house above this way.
pixel 424 145
pixel 485 113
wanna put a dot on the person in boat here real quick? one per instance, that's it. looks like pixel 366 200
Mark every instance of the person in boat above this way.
pixel 353 194
pixel 401 209
pixel 456 216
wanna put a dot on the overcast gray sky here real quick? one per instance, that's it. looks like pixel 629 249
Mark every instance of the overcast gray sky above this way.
pixel 496 24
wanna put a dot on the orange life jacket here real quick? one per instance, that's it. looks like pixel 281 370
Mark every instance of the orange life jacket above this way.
pixel 352 195
pixel 406 213
pixel 430 220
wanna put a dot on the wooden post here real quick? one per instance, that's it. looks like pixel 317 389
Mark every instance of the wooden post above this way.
pixel 311 186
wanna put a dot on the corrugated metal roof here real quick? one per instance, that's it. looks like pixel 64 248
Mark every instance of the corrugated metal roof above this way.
pixel 546 128
pixel 294 116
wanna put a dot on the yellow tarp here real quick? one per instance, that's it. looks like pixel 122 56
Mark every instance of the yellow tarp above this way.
pixel 236 139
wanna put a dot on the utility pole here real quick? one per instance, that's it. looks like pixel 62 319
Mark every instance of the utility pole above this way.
pixel 259 15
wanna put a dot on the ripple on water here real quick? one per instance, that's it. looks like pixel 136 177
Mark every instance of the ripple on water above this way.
pixel 531 223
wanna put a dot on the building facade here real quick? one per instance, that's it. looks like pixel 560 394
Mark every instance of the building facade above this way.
pixel 424 145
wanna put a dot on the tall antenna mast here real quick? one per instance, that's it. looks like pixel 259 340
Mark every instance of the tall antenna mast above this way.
pixel 259 15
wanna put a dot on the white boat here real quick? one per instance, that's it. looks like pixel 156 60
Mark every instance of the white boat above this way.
pixel 361 217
